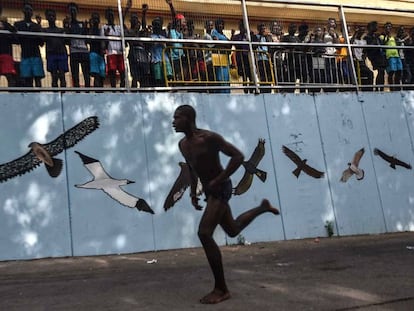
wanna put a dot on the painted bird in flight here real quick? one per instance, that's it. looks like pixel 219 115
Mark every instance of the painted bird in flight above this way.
pixel 44 153
pixel 251 169
pixel 393 161
pixel 353 167
pixel 301 165
pixel 111 186
pixel 180 185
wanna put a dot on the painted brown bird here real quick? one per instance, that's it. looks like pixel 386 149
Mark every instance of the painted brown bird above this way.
pixel 44 153
pixel 353 167
pixel 393 161
pixel 301 164
pixel 180 185
pixel 53 165
pixel 251 169
pixel 111 186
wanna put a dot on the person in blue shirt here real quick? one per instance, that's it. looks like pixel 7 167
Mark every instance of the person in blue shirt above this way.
pixel 158 59
pixel 263 55
pixel 221 57
pixel 179 63
pixel 31 65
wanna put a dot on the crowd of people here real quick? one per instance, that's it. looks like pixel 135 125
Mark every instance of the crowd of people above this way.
pixel 302 57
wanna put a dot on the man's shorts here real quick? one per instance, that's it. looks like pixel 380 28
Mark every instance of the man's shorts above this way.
pixel 115 62
pixel 7 65
pixel 224 194
pixel 31 67
pixel 57 62
pixel 394 64
pixel 97 64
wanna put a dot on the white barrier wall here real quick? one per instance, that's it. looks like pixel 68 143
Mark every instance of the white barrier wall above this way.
pixel 42 216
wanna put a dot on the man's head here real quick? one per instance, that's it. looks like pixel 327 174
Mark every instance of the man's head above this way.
pixel 95 19
pixel 372 26
pixel 261 28
pixel 180 22
pixel 219 25
pixel 157 24
pixel 276 28
pixel 27 10
pixel 73 9
pixel 110 15
pixel 387 27
pixel 331 23
pixel 50 15
pixel 184 118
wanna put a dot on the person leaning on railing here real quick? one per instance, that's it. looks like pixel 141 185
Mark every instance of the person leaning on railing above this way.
pixel 376 55
pixel 220 57
pixel 262 56
pixel 394 68
pixel 7 65
pixel 409 56
pixel 402 38
pixel 178 24
pixel 31 65
pixel 78 49
pixel 138 56
pixel 160 61
pixel 207 53
pixel 365 75
pixel 56 53
pixel 242 56
pixel 97 52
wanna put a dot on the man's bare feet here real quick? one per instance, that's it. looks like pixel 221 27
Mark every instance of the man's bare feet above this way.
pixel 215 296
pixel 268 207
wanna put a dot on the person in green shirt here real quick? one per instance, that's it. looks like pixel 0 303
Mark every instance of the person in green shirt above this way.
pixel 394 67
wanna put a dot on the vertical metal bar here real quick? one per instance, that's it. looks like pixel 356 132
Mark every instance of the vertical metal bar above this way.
pixel 121 23
pixel 350 52
pixel 253 67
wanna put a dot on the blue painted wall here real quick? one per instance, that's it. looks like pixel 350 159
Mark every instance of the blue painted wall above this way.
pixel 45 217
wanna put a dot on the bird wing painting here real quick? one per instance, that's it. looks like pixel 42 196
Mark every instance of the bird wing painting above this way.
pixel 180 185
pixel 301 164
pixel 111 186
pixel 44 153
pixel 393 161
pixel 251 169
pixel 354 167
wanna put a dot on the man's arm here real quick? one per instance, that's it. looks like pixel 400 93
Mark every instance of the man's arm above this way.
pixel 236 159
pixel 172 9
pixel 194 182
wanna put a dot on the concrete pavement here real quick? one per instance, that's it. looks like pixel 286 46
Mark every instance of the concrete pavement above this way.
pixel 373 272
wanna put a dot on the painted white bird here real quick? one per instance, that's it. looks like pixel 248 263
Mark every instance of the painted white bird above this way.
pixel 44 153
pixel 111 186
pixel 353 167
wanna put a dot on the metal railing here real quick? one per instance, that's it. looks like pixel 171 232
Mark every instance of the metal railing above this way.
pixel 293 67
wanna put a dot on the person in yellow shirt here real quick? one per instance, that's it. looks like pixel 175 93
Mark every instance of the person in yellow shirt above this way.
pixel 394 67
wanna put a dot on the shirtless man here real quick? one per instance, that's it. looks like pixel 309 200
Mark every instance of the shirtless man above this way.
pixel 201 149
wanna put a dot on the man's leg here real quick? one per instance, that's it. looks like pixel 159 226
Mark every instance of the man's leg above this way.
pixel 209 221
pixel 234 226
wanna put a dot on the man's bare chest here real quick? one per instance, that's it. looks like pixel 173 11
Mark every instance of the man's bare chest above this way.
pixel 196 150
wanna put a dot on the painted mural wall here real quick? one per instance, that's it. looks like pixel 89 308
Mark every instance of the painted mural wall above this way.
pixel 129 136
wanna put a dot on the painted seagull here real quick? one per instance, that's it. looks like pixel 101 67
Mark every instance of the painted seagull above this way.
pixel 111 186
pixel 251 169
pixel 393 161
pixel 353 167
pixel 44 153
pixel 301 164
pixel 180 185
